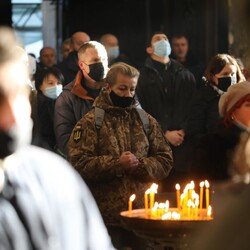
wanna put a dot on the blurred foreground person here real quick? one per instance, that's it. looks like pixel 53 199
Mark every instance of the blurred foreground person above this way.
pixel 230 228
pixel 119 150
pixel 43 203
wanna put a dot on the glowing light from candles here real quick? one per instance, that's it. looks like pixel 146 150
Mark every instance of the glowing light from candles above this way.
pixel 209 211
pixel 131 199
pixel 177 187
pixel 201 193
pixel 153 191
pixel 207 193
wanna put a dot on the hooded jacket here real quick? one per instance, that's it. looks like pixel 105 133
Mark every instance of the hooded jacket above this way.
pixel 71 105
pixel 95 155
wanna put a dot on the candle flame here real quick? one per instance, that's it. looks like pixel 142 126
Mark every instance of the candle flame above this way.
pixel 209 211
pixel 177 186
pixel 154 188
pixel 206 184
pixel 202 184
pixel 191 185
pixel 132 197
pixel 147 191
pixel 197 202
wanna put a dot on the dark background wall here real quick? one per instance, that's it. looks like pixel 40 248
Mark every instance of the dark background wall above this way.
pixel 204 22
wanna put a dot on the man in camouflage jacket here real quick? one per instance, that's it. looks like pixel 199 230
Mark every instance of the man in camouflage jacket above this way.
pixel 119 159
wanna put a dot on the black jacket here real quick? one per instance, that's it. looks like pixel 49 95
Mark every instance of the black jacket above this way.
pixel 167 96
pixel 213 155
pixel 71 105
pixel 204 117
pixel 154 95
pixel 45 110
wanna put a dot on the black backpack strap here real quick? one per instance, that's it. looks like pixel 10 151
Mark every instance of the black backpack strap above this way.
pixel 99 116
pixel 144 118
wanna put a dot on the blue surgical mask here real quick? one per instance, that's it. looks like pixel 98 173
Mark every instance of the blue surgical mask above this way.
pixel 113 52
pixel 162 48
pixel 53 92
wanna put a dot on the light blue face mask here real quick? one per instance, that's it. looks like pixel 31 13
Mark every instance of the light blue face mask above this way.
pixel 113 52
pixel 53 92
pixel 162 48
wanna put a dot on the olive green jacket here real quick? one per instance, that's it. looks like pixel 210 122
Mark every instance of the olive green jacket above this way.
pixel 95 153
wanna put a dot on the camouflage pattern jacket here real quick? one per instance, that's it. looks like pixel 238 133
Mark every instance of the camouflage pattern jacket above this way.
pixel 95 155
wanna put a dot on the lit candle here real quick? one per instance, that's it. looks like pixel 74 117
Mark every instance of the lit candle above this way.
pixel 177 187
pixel 209 211
pixel 153 191
pixel 201 194
pixel 191 189
pixel 166 206
pixel 131 199
pixel 207 193
pixel 196 208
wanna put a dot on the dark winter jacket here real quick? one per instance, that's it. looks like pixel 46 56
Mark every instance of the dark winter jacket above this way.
pixel 95 155
pixel 168 102
pixel 204 117
pixel 214 151
pixel 71 105
pixel 45 117
pixel 166 93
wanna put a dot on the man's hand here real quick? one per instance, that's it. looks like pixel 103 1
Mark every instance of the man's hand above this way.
pixel 128 160
pixel 175 137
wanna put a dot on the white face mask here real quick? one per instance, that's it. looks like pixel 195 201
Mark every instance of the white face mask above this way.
pixel 113 52
pixel 162 48
pixel 53 92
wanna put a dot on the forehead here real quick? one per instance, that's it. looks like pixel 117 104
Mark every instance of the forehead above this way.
pixel 125 80
pixel 228 68
pixel 80 37
pixel 179 40
pixel 158 37
pixel 47 51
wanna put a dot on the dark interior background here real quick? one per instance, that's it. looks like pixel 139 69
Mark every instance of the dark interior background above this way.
pixel 204 22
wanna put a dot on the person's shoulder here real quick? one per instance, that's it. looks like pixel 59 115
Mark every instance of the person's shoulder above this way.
pixel 42 161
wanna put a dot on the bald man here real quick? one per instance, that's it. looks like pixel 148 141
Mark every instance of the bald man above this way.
pixel 111 44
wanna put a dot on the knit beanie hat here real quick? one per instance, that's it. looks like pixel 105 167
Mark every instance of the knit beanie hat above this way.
pixel 234 93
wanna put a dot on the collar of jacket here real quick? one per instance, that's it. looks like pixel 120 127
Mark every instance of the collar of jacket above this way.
pixel 177 67
pixel 78 89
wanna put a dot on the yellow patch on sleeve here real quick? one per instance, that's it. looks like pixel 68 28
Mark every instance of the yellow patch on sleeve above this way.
pixel 77 134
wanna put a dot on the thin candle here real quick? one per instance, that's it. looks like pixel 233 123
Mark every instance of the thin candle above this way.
pixel 201 194
pixel 177 187
pixel 153 191
pixel 207 193
pixel 131 199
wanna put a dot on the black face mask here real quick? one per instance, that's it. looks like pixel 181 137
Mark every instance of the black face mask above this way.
pixel 96 71
pixel 8 146
pixel 225 82
pixel 121 101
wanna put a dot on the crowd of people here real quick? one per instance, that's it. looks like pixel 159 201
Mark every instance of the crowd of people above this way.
pixel 121 128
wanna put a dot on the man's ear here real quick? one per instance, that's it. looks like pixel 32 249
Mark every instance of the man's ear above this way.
pixel 81 65
pixel 149 50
